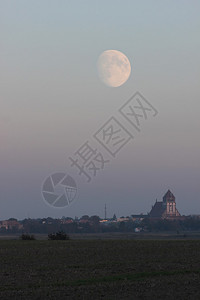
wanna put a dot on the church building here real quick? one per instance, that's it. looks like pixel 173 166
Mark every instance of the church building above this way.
pixel 165 209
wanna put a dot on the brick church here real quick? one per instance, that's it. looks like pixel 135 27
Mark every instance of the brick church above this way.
pixel 165 209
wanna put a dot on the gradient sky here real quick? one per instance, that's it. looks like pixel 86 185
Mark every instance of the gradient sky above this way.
pixel 52 101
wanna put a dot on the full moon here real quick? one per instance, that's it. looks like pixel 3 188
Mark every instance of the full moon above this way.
pixel 113 67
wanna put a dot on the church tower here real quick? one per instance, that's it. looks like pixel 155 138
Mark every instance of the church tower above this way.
pixel 170 205
pixel 165 209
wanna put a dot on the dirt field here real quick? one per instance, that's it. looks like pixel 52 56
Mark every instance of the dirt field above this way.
pixel 100 269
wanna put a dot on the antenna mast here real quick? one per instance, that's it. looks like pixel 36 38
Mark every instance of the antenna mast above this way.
pixel 105 212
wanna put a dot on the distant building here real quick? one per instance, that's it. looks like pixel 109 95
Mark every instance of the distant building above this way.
pixel 165 209
pixel 11 224
pixel 138 218
pixel 123 219
pixel 67 221
pixel 138 229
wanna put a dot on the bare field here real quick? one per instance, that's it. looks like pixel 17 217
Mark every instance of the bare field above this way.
pixel 100 269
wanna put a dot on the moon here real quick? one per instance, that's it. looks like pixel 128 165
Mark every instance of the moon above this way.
pixel 113 68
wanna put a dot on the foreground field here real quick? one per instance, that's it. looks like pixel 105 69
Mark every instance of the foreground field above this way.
pixel 100 269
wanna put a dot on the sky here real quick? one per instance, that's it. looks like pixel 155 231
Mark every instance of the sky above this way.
pixel 52 102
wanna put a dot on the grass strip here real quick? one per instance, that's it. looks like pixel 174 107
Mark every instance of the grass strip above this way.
pixel 129 276
pixel 106 279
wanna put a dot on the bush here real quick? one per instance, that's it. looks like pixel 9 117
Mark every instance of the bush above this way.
pixel 60 235
pixel 27 237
